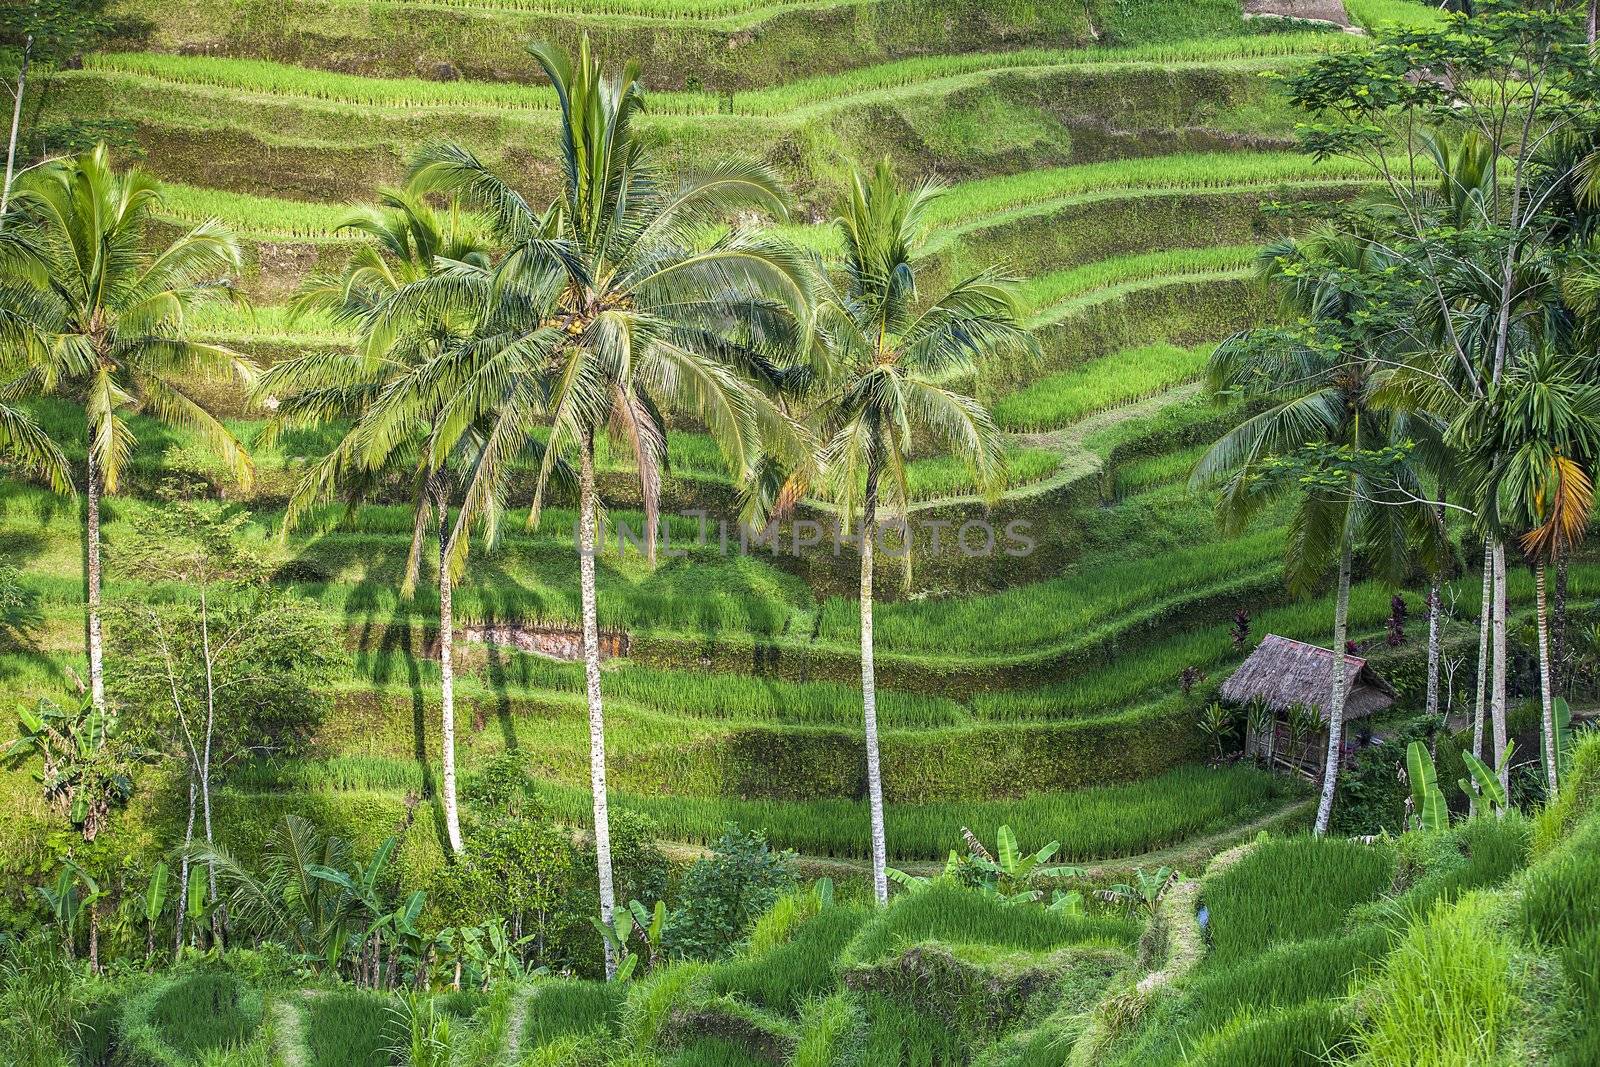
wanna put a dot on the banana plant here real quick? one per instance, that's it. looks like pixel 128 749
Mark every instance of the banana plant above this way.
pixel 196 901
pixel 1484 783
pixel 155 902
pixel 1010 873
pixel 1146 890
pixel 81 770
pixel 65 902
pixel 1428 808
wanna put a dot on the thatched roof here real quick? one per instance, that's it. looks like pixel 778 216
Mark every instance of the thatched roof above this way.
pixel 1284 673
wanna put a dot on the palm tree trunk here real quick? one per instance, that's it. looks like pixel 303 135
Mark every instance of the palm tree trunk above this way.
pixel 1594 20
pixel 1497 694
pixel 183 874
pixel 1558 628
pixel 1433 647
pixel 16 124
pixel 1547 705
pixel 1338 683
pixel 447 681
pixel 205 769
pixel 1485 622
pixel 91 495
pixel 591 668
pixel 869 693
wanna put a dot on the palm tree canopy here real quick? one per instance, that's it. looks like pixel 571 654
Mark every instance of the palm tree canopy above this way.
pixel 1527 445
pixel 892 364
pixel 87 310
pixel 1321 384
pixel 626 298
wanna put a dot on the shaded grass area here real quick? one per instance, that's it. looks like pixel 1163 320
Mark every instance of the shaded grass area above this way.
pixel 1093 823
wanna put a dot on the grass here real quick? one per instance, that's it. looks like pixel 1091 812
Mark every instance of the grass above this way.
pixel 954 915
pixel 1121 378
pixel 827 92
pixel 1048 296
pixel 348 1029
pixel 1288 890
pixel 559 1008
pixel 1446 995
pixel 984 198
pixel 1094 823
pixel 1042 614
pixel 254 215
pixel 784 977
pixel 1403 13
pixel 201 1013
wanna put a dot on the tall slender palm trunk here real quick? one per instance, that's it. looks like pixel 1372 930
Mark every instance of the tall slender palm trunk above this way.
pixel 16 124
pixel 91 496
pixel 1546 701
pixel 1497 694
pixel 1433 647
pixel 1485 622
pixel 591 669
pixel 869 692
pixel 1341 627
pixel 447 682
pixel 1558 628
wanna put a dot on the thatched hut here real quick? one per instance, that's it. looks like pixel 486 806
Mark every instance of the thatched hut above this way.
pixel 1291 679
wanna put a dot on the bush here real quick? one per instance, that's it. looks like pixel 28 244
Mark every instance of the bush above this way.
pixel 723 895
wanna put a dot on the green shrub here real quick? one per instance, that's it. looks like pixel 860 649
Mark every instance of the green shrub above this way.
pixel 1290 889
pixel 724 894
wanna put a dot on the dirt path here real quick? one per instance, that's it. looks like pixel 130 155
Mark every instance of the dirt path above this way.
pixel 1192 853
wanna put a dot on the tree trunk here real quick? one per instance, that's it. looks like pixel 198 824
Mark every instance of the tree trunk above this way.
pixel 869 692
pixel 1341 622
pixel 1485 622
pixel 91 495
pixel 591 667
pixel 1558 629
pixel 94 937
pixel 1594 20
pixel 1547 704
pixel 205 769
pixel 16 124
pixel 447 684
pixel 1433 647
pixel 1497 693
pixel 183 875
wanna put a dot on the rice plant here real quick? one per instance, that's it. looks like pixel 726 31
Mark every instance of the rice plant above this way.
pixel 954 915
pixel 1049 296
pixel 350 1029
pixel 1121 378
pixel 1094 823
pixel 557 1009
pixel 1287 890
pixel 783 977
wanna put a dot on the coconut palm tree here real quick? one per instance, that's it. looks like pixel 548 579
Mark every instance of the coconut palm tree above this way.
pixel 889 385
pixel 623 300
pixel 1323 439
pixel 1527 445
pixel 100 317
pixel 410 240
